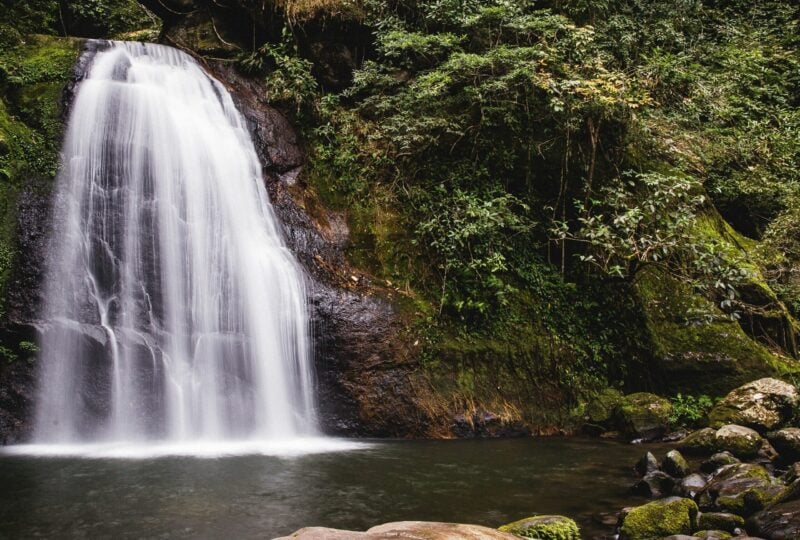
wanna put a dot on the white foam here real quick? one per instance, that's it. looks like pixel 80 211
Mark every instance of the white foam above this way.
pixel 284 448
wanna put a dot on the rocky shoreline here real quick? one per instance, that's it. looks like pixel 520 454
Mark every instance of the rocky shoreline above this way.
pixel 738 476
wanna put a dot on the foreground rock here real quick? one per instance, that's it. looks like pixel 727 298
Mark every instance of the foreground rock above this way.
pixel 411 530
pixel 657 519
pixel 740 489
pixel 544 528
pixel 763 405
pixel 778 522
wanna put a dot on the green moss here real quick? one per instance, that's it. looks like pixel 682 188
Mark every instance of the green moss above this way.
pixel 544 528
pixel 720 521
pixel 660 518
pixel 601 409
pixel 644 415
pixel 33 72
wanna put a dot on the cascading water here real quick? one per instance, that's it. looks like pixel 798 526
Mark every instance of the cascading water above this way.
pixel 174 311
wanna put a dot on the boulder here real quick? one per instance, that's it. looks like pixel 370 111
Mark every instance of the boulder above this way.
pixel 600 410
pixel 717 461
pixel 764 405
pixel 665 517
pixel 544 528
pixel 409 530
pixel 702 441
pixel 646 464
pixel 675 464
pixel 741 489
pixel 787 443
pixel 712 535
pixel 643 415
pixel 740 441
pixel 778 522
pixel 692 484
pixel 720 521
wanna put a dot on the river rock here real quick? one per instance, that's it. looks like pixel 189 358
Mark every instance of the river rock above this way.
pixel 665 517
pixel 654 484
pixel 720 521
pixel 712 535
pixel 740 441
pixel 545 528
pixel 692 484
pixel 702 441
pixel 409 530
pixel 763 405
pixel 717 461
pixel 675 464
pixel 787 443
pixel 778 522
pixel 741 489
pixel 643 415
pixel 646 464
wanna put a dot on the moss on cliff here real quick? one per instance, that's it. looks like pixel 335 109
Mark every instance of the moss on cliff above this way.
pixel 33 73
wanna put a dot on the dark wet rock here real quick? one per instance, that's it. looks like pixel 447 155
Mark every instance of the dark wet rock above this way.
pixel 720 521
pixel 764 405
pixel 792 473
pixel 648 463
pixel 643 415
pixel 675 464
pixel 654 484
pixel 675 436
pixel 718 460
pixel 741 489
pixel 664 517
pixel 778 522
pixel 787 443
pixel 552 527
pixel 692 484
pixel 740 441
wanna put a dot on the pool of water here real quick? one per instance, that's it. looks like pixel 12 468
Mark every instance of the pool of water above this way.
pixel 488 482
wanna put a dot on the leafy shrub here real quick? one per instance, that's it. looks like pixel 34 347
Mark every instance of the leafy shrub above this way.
pixel 689 411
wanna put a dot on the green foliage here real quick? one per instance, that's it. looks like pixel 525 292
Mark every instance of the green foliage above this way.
pixel 689 410
pixel 288 76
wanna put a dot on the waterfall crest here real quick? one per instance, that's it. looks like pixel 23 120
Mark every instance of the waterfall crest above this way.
pixel 174 311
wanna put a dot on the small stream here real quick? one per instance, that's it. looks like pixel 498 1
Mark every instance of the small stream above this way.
pixel 488 482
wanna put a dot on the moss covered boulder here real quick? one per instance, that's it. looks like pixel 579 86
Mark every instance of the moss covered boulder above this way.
pixel 740 441
pixel 702 441
pixel 665 517
pixel 599 411
pixel 643 415
pixel 764 405
pixel 544 528
pixel 720 521
pixel 741 489
pixel 675 464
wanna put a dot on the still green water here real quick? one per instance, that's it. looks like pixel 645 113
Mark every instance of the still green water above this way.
pixel 487 482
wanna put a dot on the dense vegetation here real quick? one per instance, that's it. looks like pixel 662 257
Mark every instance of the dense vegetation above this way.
pixel 564 192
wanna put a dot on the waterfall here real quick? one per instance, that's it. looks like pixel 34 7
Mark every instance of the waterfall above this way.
pixel 174 311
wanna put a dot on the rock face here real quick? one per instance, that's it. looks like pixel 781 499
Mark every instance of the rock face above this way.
pixel 657 519
pixel 644 415
pixel 763 405
pixel 365 364
pixel 410 530
pixel 544 528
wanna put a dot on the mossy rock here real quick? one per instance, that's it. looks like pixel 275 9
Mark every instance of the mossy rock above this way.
pixel 702 441
pixel 544 528
pixel 600 410
pixel 787 443
pixel 742 489
pixel 712 535
pixel 643 415
pixel 675 464
pixel 665 517
pixel 740 441
pixel 720 521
